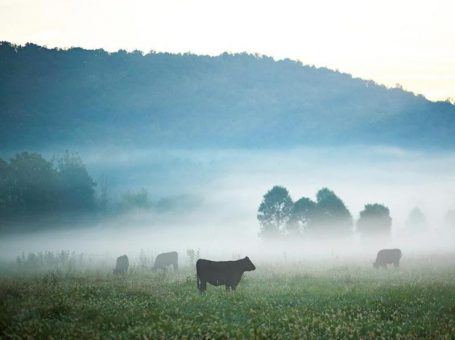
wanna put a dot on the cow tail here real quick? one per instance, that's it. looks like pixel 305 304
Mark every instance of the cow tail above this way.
pixel 198 282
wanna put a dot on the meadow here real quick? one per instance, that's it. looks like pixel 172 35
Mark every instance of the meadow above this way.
pixel 280 300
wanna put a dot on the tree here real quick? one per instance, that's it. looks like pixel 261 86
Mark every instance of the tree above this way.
pixel 301 215
pixel 3 186
pixel 77 189
pixel 103 192
pixel 31 184
pixel 331 217
pixel 374 221
pixel 416 220
pixel 139 199
pixel 274 211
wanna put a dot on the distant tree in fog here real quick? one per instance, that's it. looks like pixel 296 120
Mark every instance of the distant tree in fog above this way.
pixel 327 216
pixel 416 220
pixel 274 211
pixel 76 186
pixel 301 215
pixel 138 199
pixel 30 185
pixel 331 217
pixel 3 187
pixel 374 221
pixel 103 192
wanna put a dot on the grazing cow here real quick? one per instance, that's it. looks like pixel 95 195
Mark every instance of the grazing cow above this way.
pixel 226 273
pixel 121 267
pixel 387 256
pixel 167 259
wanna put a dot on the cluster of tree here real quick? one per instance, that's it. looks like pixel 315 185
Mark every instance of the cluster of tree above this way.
pixel 279 215
pixel 53 191
pixel 140 200
pixel 375 221
pixel 416 220
pixel 229 100
pixel 32 185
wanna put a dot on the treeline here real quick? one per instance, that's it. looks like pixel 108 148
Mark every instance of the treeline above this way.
pixel 31 185
pixel 88 97
pixel 279 216
pixel 39 193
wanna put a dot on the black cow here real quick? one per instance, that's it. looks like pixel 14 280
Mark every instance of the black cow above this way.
pixel 388 256
pixel 167 259
pixel 226 273
pixel 121 267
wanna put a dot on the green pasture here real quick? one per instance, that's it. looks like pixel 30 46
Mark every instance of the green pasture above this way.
pixel 282 301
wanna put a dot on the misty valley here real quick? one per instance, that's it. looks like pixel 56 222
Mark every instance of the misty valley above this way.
pixel 313 240
pixel 169 195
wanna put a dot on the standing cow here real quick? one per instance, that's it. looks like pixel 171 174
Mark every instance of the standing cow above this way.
pixel 122 264
pixel 388 256
pixel 164 260
pixel 226 273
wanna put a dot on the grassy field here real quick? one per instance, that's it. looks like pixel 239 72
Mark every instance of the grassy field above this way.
pixel 300 300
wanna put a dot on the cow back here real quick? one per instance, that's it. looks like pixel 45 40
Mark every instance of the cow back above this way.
pixel 388 255
pixel 166 259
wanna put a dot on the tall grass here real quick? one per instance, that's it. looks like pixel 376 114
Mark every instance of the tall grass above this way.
pixel 278 300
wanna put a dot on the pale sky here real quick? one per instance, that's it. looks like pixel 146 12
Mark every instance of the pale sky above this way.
pixel 410 42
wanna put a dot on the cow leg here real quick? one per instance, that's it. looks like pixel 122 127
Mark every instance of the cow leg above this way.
pixel 202 286
pixel 176 267
pixel 396 264
pixel 227 288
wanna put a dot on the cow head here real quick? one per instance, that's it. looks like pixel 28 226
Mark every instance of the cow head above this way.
pixel 248 265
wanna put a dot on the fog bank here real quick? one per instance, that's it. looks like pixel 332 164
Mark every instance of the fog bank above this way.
pixel 227 187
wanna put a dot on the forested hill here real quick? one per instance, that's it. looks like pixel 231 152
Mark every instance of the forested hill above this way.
pixel 86 97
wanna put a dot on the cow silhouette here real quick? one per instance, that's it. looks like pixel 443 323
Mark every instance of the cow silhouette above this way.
pixel 387 256
pixel 164 260
pixel 121 266
pixel 219 273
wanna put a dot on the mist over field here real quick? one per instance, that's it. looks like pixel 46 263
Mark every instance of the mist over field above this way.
pixel 213 194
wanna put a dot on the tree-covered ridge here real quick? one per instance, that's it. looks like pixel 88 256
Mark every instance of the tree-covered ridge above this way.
pixel 52 97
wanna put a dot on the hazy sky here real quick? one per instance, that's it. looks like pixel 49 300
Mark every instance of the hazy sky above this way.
pixel 410 42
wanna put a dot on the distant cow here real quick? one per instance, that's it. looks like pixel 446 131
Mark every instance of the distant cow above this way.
pixel 388 256
pixel 226 273
pixel 167 259
pixel 121 267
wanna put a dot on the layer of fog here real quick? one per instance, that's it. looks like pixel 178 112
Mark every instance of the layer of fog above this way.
pixel 227 187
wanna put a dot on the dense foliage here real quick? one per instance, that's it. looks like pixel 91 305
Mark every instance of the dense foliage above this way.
pixel 76 96
pixel 278 215
pixel 30 185
pixel 274 211
pixel 330 213
pixel 374 221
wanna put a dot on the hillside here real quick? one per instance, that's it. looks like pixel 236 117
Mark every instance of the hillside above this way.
pixel 83 97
